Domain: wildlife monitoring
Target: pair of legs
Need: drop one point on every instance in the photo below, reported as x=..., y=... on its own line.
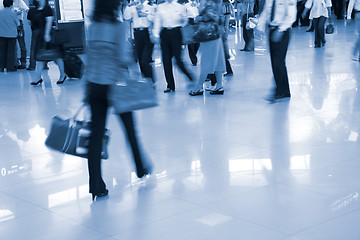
x=319, y=27
x=171, y=40
x=278, y=52
x=144, y=50
x=248, y=34
x=192, y=49
x=21, y=41
x=40, y=66
x=98, y=99
x=7, y=54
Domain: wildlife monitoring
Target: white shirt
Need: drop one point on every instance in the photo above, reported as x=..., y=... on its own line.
x=284, y=16
x=353, y=4
x=192, y=9
x=20, y=8
x=169, y=15
x=318, y=8
x=131, y=13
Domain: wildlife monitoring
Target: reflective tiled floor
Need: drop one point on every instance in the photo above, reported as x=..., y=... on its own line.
x=226, y=167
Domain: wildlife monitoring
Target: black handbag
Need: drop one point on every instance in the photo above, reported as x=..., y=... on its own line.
x=329, y=29
x=59, y=36
x=207, y=25
x=72, y=136
x=47, y=52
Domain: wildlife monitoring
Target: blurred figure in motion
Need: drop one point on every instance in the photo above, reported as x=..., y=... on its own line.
x=141, y=14
x=192, y=9
x=355, y=5
x=8, y=33
x=21, y=9
x=42, y=16
x=169, y=18
x=320, y=11
x=247, y=10
x=107, y=53
x=212, y=52
x=279, y=15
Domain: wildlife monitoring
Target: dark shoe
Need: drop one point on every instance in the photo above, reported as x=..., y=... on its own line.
x=146, y=171
x=36, y=83
x=317, y=46
x=278, y=98
x=11, y=70
x=100, y=195
x=196, y=93
x=30, y=68
x=228, y=74
x=169, y=90
x=61, y=81
x=244, y=50
x=20, y=67
x=219, y=91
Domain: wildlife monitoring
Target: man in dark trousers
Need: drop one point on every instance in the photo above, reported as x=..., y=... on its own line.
x=141, y=14
x=169, y=18
x=278, y=15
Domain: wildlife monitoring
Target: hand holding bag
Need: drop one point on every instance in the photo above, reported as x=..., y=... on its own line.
x=132, y=92
x=72, y=136
x=329, y=29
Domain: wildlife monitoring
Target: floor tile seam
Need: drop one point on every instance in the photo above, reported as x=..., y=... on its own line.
x=321, y=222
x=234, y=196
x=150, y=223
x=306, y=190
x=78, y=223
x=249, y=221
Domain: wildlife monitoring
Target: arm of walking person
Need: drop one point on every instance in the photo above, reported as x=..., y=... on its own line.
x=308, y=5
x=49, y=21
x=350, y=8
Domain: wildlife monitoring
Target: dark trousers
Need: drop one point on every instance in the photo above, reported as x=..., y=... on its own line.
x=248, y=34
x=21, y=41
x=171, y=47
x=319, y=27
x=8, y=53
x=35, y=35
x=193, y=49
x=278, y=52
x=98, y=98
x=144, y=50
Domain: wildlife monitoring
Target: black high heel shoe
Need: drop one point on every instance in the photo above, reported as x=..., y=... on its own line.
x=61, y=81
x=197, y=93
x=100, y=195
x=36, y=83
x=219, y=91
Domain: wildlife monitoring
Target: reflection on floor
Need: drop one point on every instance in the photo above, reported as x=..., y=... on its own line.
x=226, y=167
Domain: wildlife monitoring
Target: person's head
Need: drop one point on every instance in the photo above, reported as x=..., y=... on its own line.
x=8, y=3
x=40, y=3
x=106, y=11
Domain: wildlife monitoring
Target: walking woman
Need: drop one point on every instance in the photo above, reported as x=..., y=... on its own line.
x=320, y=11
x=106, y=57
x=212, y=52
x=42, y=17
